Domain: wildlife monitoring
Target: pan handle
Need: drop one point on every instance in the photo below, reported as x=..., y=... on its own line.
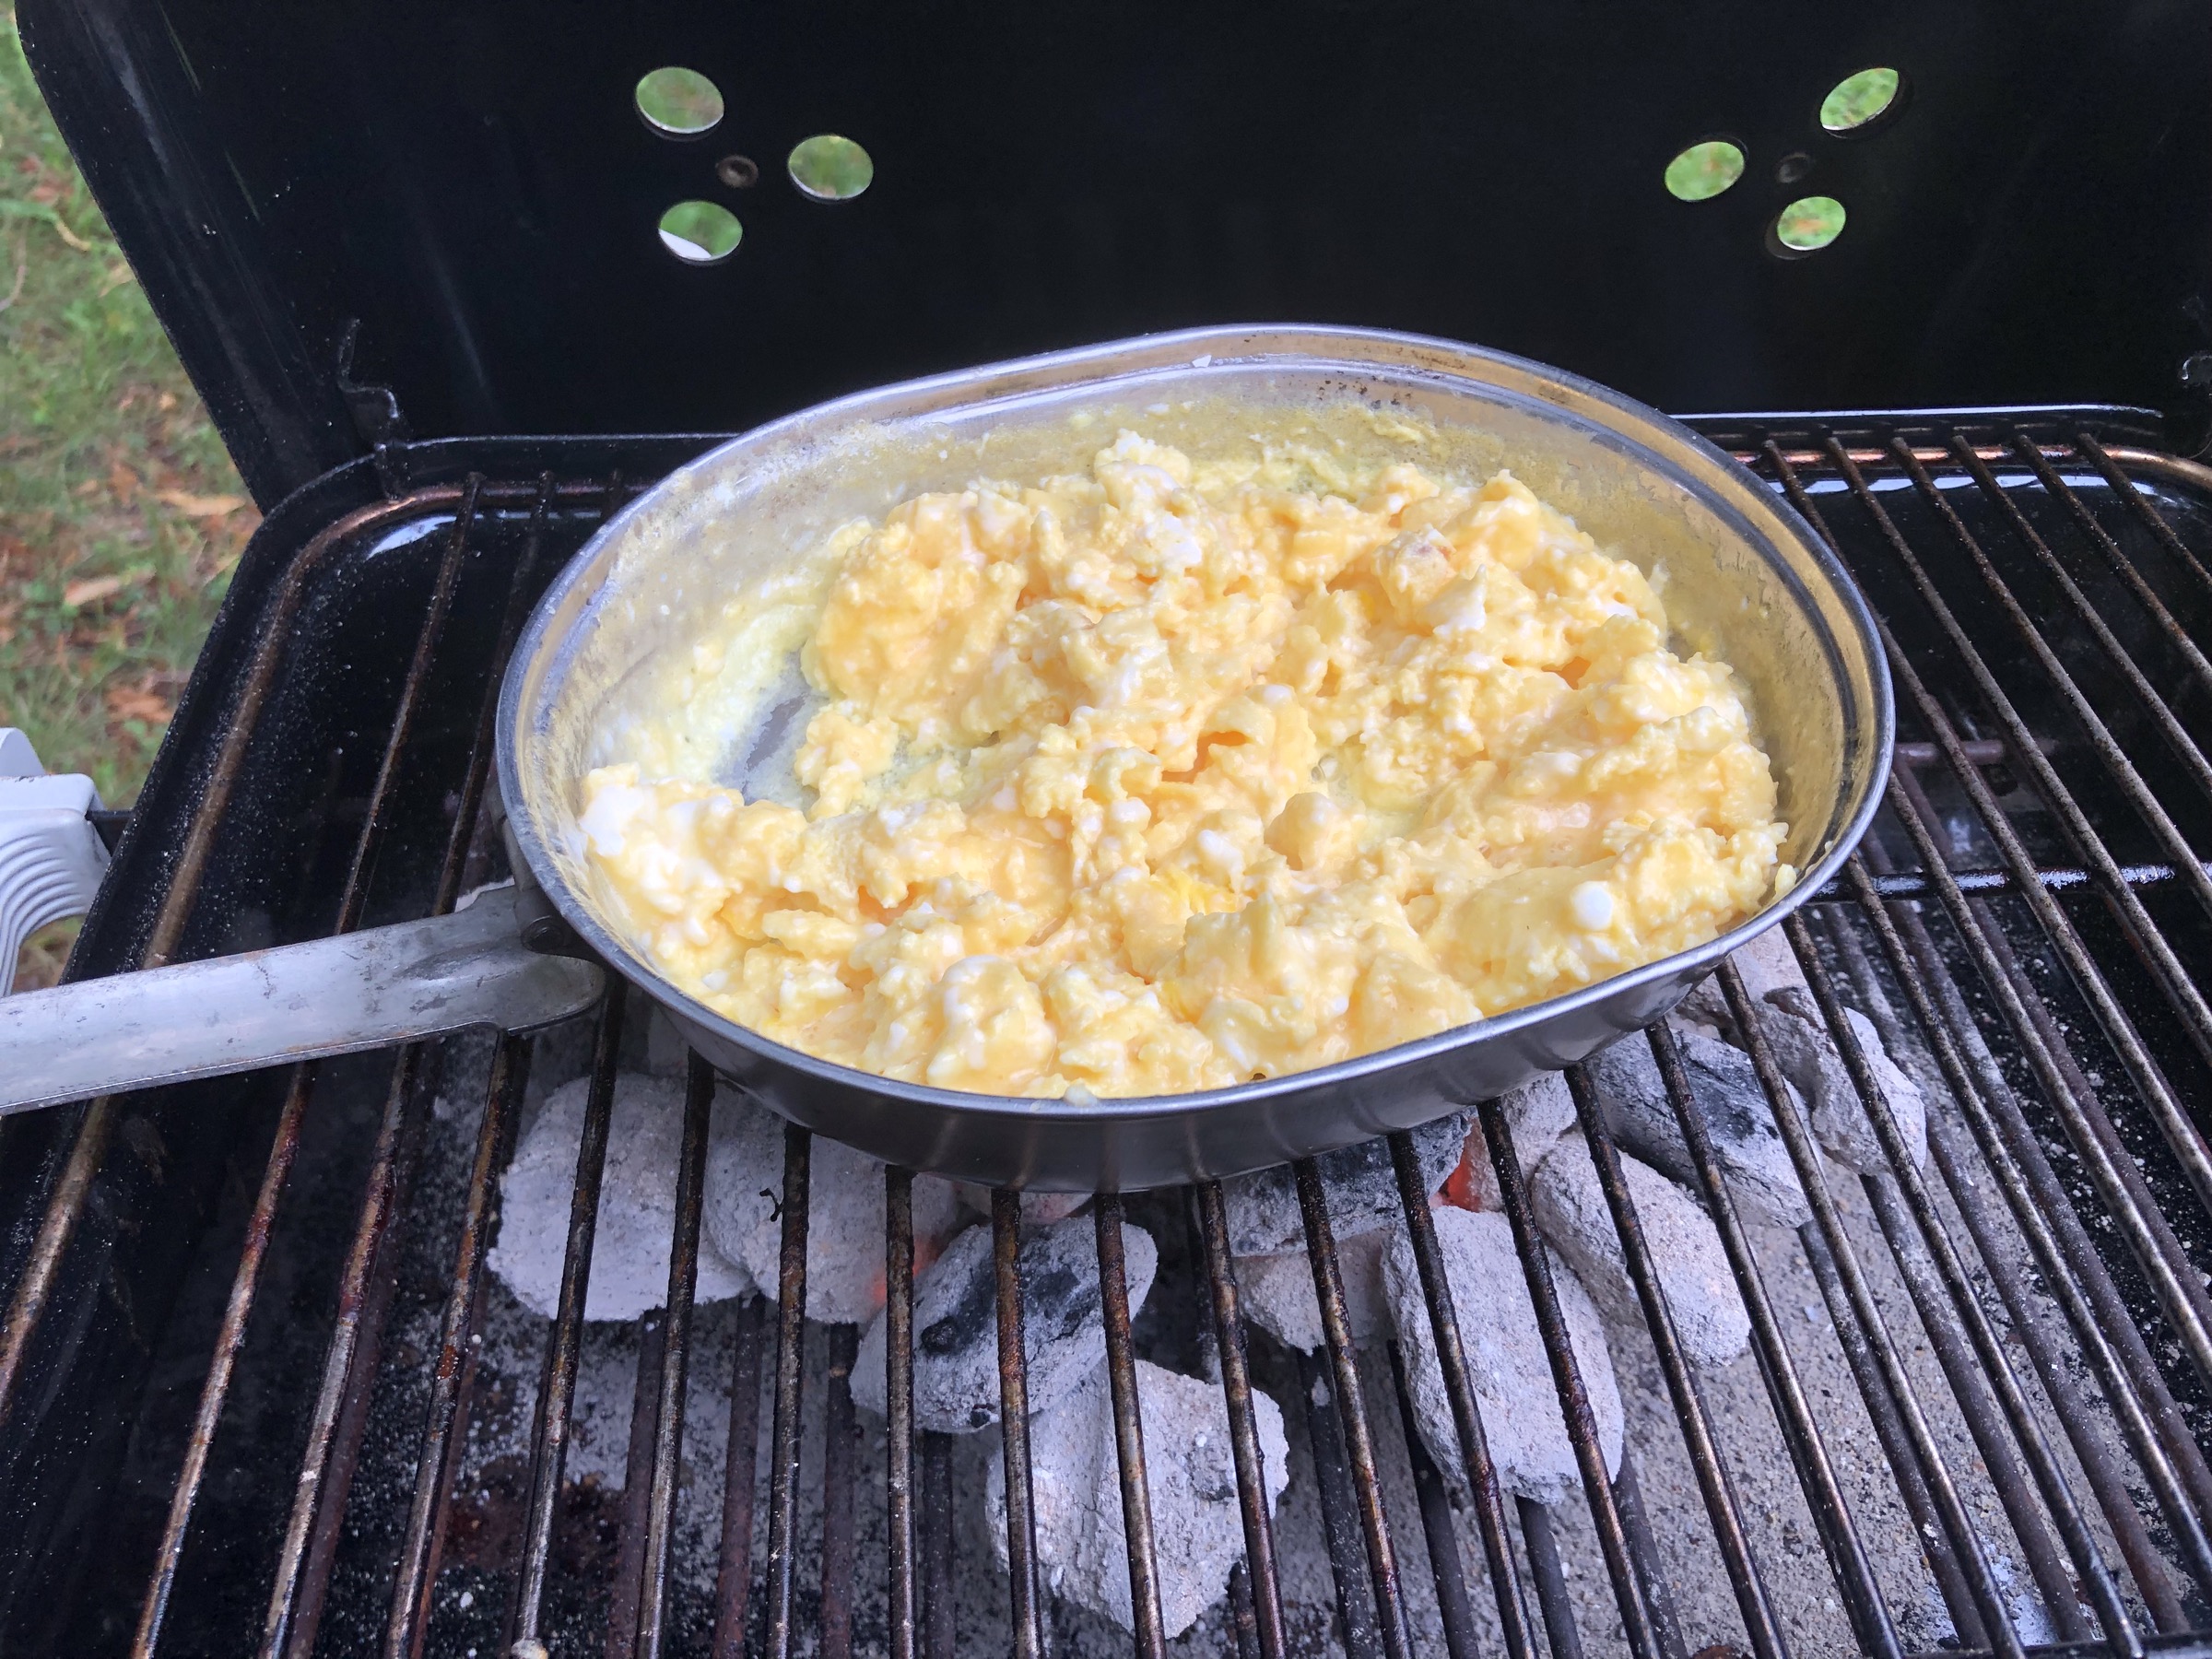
x=365, y=990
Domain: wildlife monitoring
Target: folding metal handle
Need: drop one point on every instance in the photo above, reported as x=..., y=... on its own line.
x=366, y=990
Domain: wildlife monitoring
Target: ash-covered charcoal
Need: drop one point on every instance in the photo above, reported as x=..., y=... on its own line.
x=956, y=1324
x=637, y=1204
x=1038, y=1209
x=1506, y=1361
x=1570, y=1209
x=1537, y=1115
x=1766, y=965
x=844, y=1212
x=1277, y=1292
x=1264, y=1216
x=1738, y=1120
x=1806, y=1053
x=1197, y=1528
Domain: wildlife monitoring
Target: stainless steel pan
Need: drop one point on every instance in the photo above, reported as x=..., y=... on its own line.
x=1745, y=579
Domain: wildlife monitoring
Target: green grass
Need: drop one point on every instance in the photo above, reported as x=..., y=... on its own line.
x=121, y=515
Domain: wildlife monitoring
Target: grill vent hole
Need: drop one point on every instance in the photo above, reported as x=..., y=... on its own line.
x=1704, y=171
x=1806, y=226
x=831, y=168
x=678, y=104
x=1859, y=100
x=700, y=232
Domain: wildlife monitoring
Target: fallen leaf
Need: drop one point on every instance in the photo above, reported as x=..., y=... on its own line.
x=135, y=703
x=166, y=402
x=123, y=482
x=46, y=195
x=91, y=590
x=200, y=506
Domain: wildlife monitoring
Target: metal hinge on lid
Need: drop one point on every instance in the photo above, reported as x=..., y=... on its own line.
x=376, y=416
x=51, y=856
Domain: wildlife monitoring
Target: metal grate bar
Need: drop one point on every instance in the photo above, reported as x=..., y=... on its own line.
x=2050, y=1044
x=1128, y=1429
x=1013, y=1427
x=87, y=1146
x=791, y=1339
x=1846, y=1552
x=2120, y=565
x=1643, y=1552
x=668, y=1424
x=621, y=1636
x=2064, y=1255
x=1826, y=1226
x=1938, y=1544
x=2079, y=1108
x=1243, y=1624
x=1243, y=1429
x=557, y=1389
x=2182, y=991
x=2125, y=488
x=284, y=1145
x=2055, y=878
x=2177, y=738
x=1713, y=1484
x=898, y=1395
x=2076, y=1099
x=1548, y=1574
x=1459, y=1389
x=451, y=1382
x=1978, y=1411
x=734, y=1568
x=1351, y=1412
x=1339, y=1509
x=364, y=1296
x=1574, y=1401
x=839, y=1434
x=1453, y=1609
x=939, y=1629
x=1996, y=1372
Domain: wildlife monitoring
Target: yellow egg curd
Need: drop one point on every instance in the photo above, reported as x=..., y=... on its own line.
x=1167, y=777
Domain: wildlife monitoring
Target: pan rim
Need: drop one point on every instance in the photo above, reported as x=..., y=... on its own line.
x=1664, y=440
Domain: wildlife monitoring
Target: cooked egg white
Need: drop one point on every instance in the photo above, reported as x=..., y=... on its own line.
x=1168, y=777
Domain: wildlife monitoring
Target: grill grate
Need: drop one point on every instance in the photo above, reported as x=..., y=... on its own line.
x=2023, y=1328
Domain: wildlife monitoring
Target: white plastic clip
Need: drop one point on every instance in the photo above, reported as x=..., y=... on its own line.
x=51, y=857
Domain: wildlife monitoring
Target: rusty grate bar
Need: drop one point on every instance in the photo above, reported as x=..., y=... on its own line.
x=2079, y=1108
x=898, y=1394
x=1351, y=1413
x=549, y=1435
x=1682, y=1385
x=791, y=1335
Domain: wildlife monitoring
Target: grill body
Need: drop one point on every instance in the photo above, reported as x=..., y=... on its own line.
x=257, y=1392
x=295, y=1355
x=458, y=204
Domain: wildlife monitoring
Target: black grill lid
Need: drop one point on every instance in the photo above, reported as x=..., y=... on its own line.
x=472, y=186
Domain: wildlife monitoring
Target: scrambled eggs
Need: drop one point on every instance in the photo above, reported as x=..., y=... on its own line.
x=1172, y=776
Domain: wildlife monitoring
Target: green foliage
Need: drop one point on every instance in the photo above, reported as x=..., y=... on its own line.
x=120, y=513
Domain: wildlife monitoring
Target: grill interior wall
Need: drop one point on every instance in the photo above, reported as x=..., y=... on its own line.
x=101, y=1388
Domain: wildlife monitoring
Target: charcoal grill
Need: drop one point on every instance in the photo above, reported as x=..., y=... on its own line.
x=251, y=1360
